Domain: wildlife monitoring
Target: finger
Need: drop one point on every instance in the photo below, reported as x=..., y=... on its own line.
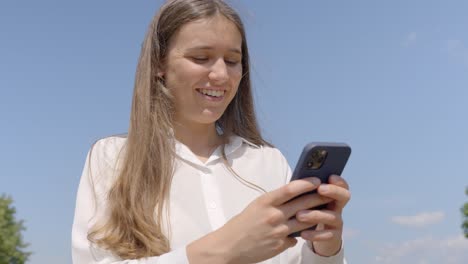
x=330, y=218
x=339, y=194
x=320, y=235
x=337, y=180
x=286, y=243
x=293, y=225
x=308, y=201
x=322, y=220
x=291, y=190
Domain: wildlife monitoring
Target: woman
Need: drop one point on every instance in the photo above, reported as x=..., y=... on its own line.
x=194, y=181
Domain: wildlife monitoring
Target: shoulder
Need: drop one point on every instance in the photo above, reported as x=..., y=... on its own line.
x=264, y=155
x=268, y=152
x=105, y=157
x=264, y=164
x=107, y=149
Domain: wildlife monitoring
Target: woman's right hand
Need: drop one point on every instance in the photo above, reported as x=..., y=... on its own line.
x=261, y=230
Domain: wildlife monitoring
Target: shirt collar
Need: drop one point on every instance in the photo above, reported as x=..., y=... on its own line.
x=235, y=142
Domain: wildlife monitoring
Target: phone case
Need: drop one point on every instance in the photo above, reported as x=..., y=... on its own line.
x=337, y=154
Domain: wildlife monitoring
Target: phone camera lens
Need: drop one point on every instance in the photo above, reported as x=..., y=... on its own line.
x=317, y=158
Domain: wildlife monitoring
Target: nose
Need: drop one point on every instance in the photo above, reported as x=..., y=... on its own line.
x=219, y=71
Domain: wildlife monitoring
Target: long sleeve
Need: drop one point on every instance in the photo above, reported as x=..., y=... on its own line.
x=307, y=255
x=188, y=201
x=90, y=207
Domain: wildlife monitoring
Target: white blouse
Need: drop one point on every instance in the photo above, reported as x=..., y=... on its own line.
x=203, y=197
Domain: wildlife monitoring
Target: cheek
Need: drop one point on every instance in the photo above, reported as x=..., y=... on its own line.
x=236, y=75
x=186, y=73
x=182, y=78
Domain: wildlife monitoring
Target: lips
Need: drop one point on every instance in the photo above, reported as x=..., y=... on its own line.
x=212, y=92
x=212, y=95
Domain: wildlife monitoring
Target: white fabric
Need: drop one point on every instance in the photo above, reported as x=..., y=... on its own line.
x=203, y=197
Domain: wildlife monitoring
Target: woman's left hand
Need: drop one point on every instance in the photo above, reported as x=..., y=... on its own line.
x=326, y=239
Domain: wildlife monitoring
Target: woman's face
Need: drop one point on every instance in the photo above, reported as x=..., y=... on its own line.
x=203, y=69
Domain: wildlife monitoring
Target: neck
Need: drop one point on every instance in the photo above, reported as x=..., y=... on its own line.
x=201, y=139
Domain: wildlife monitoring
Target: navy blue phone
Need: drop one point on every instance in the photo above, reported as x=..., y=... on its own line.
x=321, y=159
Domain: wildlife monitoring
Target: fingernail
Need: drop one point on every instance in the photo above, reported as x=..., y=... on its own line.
x=324, y=188
x=316, y=181
x=300, y=215
x=334, y=177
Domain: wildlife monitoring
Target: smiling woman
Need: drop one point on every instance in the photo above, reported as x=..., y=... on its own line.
x=194, y=181
x=203, y=70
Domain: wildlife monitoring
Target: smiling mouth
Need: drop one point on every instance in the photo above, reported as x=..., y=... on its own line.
x=212, y=93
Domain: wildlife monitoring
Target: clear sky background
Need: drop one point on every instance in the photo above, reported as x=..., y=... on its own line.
x=390, y=78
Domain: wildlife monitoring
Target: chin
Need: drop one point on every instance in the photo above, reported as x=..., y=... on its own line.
x=209, y=118
x=206, y=120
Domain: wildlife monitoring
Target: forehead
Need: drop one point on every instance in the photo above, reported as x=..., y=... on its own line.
x=214, y=32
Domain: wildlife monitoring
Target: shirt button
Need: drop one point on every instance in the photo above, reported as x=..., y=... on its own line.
x=212, y=205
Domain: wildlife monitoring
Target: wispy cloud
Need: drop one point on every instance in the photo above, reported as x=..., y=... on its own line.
x=419, y=220
x=427, y=250
x=410, y=39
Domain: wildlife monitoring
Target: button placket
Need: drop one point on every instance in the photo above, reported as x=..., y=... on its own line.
x=212, y=197
x=212, y=205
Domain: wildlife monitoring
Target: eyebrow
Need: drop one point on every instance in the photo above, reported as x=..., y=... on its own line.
x=210, y=48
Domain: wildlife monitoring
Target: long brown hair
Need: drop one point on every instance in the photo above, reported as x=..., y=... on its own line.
x=136, y=199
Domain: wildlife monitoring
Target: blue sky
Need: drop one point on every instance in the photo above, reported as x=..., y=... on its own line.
x=390, y=78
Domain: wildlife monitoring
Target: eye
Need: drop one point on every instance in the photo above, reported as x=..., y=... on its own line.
x=199, y=59
x=231, y=62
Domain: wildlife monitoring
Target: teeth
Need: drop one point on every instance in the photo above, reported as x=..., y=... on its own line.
x=215, y=93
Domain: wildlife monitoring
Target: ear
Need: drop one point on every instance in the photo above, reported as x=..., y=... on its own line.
x=161, y=69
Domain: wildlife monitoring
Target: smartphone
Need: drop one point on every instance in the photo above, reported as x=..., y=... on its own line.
x=321, y=159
